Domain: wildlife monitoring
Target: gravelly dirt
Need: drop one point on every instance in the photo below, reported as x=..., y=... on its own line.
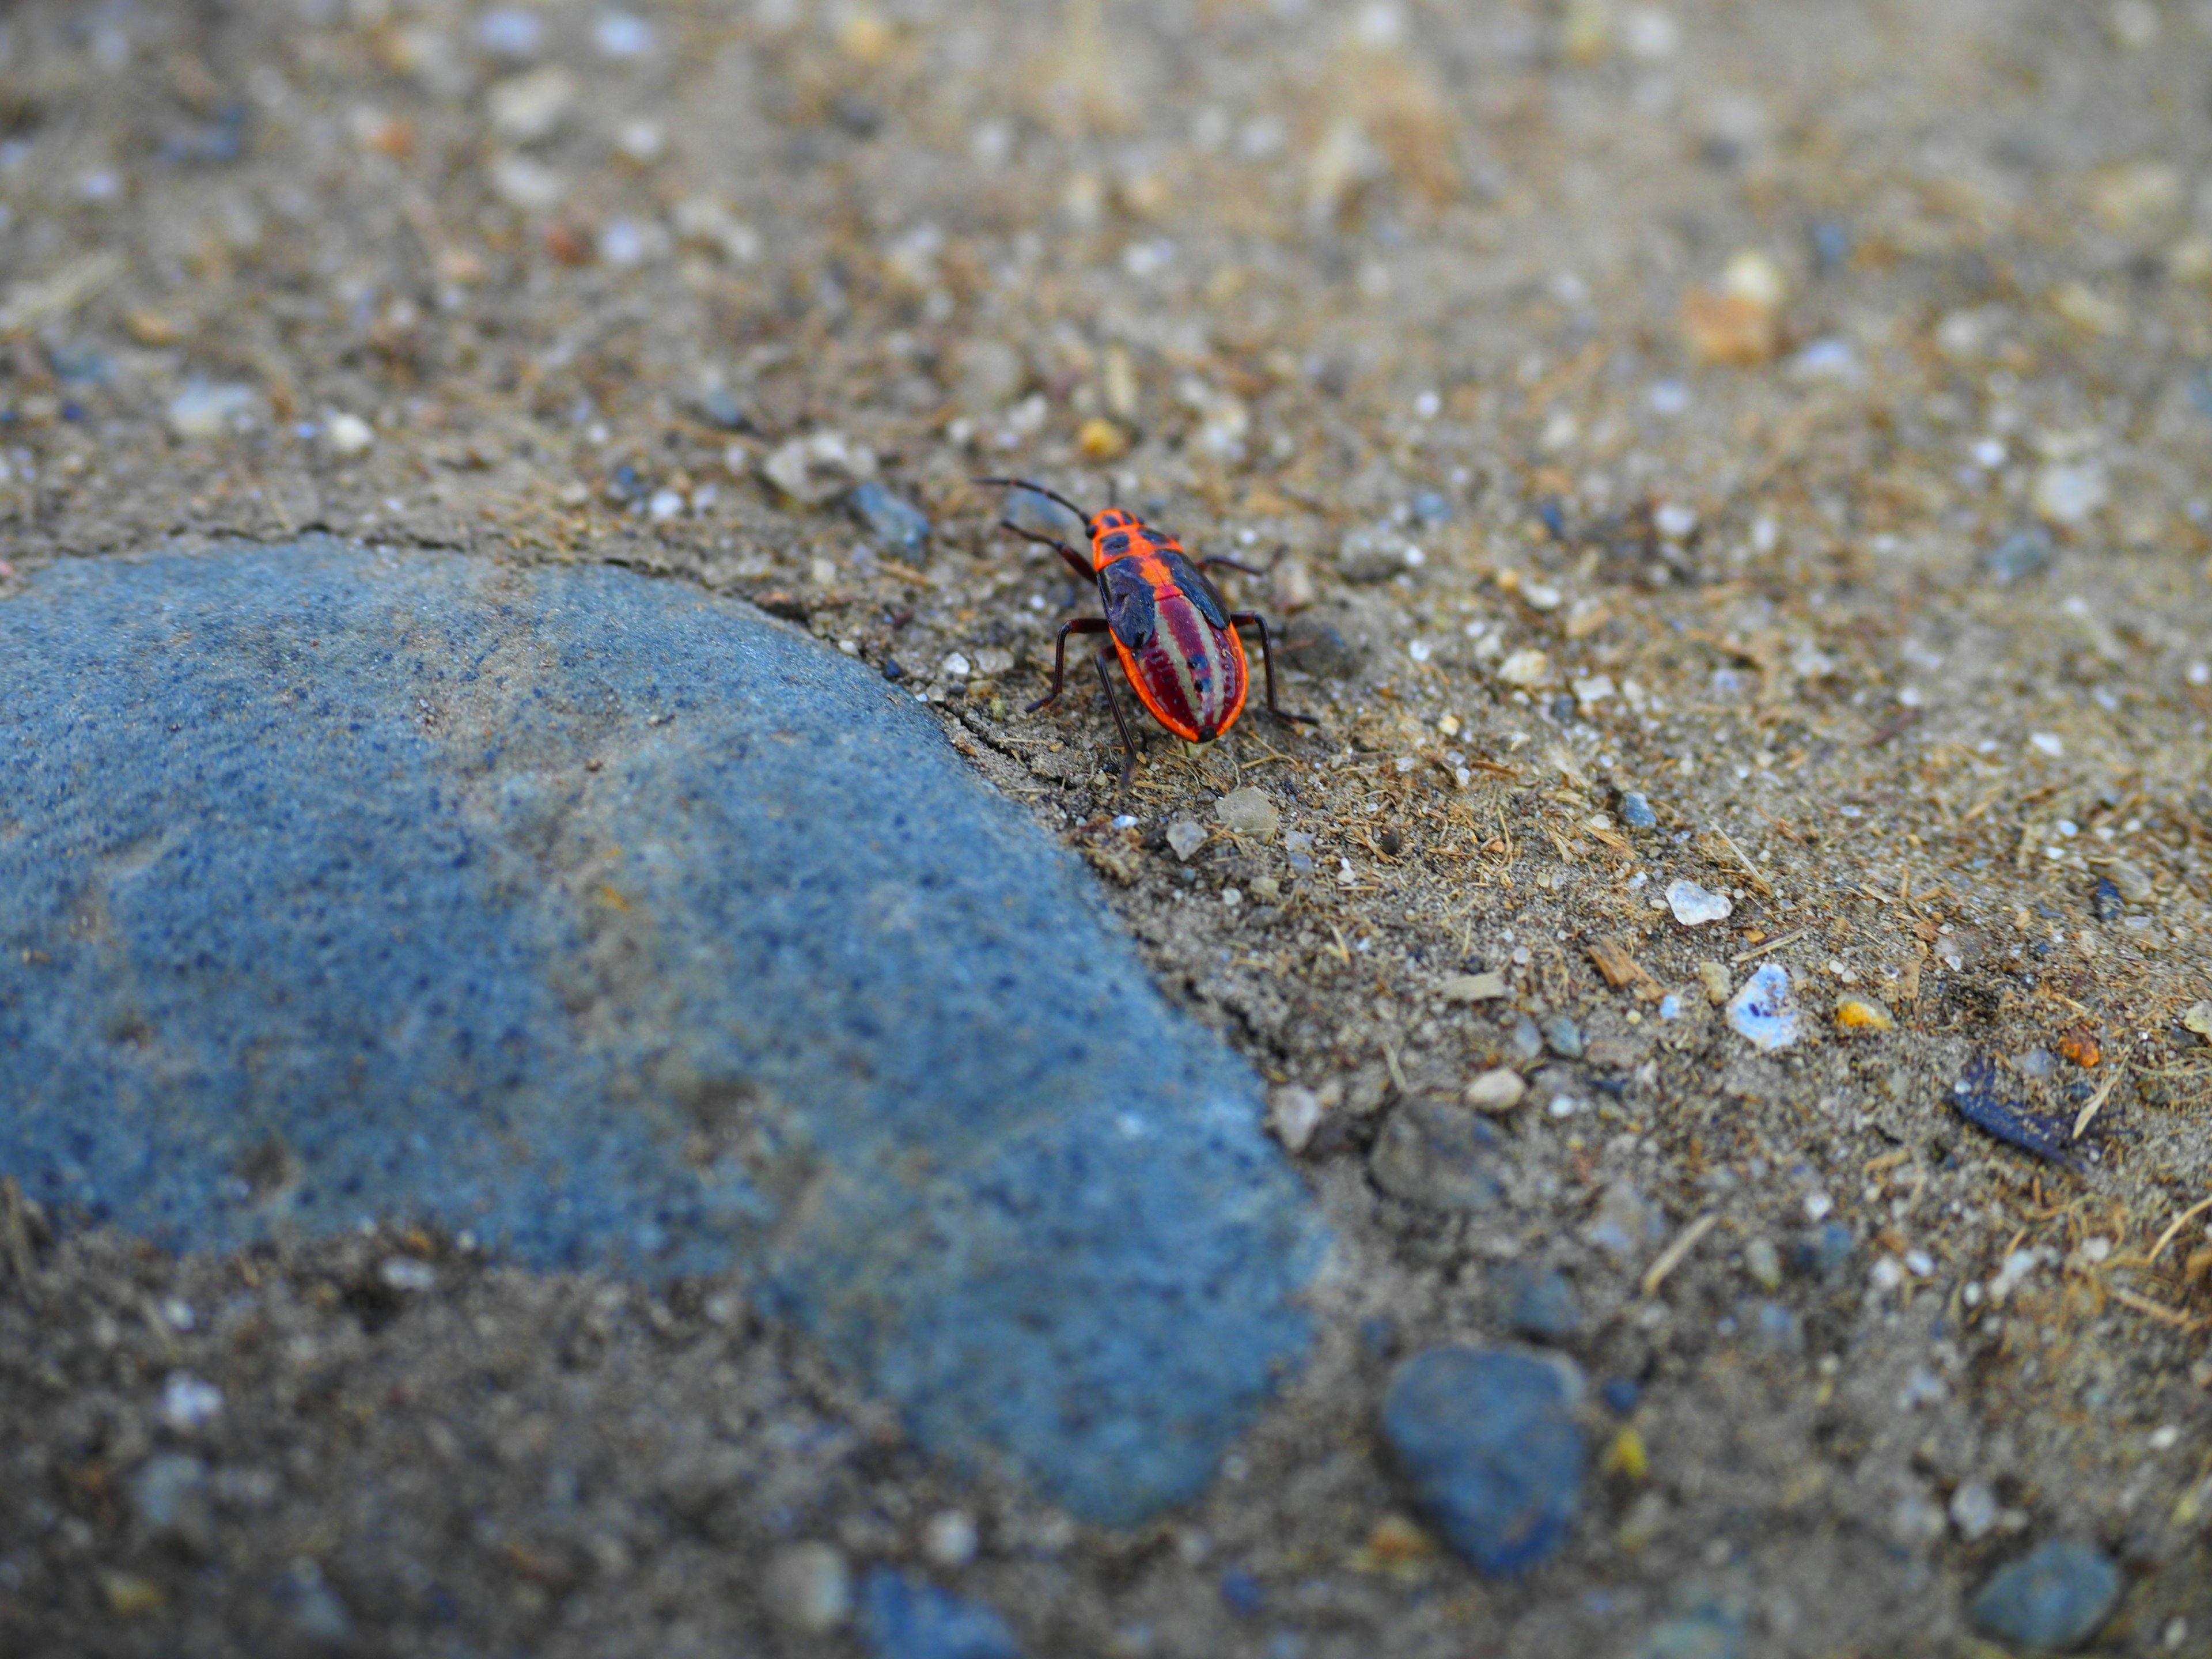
x=1829, y=381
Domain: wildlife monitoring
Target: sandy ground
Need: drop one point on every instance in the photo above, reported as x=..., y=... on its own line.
x=1795, y=415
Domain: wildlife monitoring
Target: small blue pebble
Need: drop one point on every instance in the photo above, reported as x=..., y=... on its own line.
x=1487, y=1439
x=2054, y=1598
x=1242, y=1591
x=1636, y=811
x=1563, y=1037
x=1621, y=1394
x=1670, y=1007
x=1831, y=245
x=1554, y=517
x=900, y=526
x=906, y=1617
x=1431, y=508
x=1541, y=1304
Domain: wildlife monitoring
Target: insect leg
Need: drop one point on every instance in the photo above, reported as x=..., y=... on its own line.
x=1267, y=656
x=1076, y=562
x=1075, y=625
x=1129, y=767
x=1234, y=564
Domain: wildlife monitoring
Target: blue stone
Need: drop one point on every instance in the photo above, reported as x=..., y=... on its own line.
x=1431, y=508
x=1540, y=1304
x=907, y=1617
x=1636, y=811
x=1621, y=1394
x=635, y=932
x=2023, y=553
x=1243, y=1592
x=2054, y=1598
x=1563, y=1038
x=720, y=405
x=1488, y=1441
x=898, y=525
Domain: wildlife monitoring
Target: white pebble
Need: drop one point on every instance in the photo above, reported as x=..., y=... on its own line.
x=348, y=435
x=949, y=1538
x=957, y=666
x=1186, y=836
x=810, y=1588
x=1693, y=907
x=187, y=1403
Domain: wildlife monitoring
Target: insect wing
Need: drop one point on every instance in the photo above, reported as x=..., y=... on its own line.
x=1195, y=584
x=1130, y=612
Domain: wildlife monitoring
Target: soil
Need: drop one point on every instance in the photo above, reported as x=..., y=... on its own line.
x=1820, y=390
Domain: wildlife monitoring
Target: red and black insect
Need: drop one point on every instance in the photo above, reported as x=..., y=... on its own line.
x=1177, y=641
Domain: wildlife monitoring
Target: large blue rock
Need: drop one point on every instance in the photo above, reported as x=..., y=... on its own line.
x=1487, y=1439
x=631, y=931
x=2053, y=1598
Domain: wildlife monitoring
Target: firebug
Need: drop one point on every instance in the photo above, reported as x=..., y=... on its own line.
x=1177, y=641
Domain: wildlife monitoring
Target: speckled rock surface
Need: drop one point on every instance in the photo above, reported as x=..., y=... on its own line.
x=629, y=931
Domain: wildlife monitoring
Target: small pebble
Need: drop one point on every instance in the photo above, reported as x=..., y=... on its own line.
x=348, y=435
x=313, y=1607
x=1763, y=1012
x=1436, y=1156
x=1709, y=1630
x=2132, y=880
x=809, y=1588
x=1526, y=1041
x=1293, y=1114
x=1528, y=667
x=1243, y=1593
x=1693, y=907
x=1974, y=1510
x=1473, y=987
x=2069, y=494
x=2054, y=1598
x=1863, y=1014
x=1488, y=1441
x=1764, y=1263
x=719, y=405
x=187, y=1403
x=1185, y=836
x=2022, y=554
x=169, y=1496
x=1563, y=1038
x=1500, y=1089
x=1636, y=811
x=2107, y=901
x=202, y=411
x=1248, y=811
x=1825, y=1252
x=1620, y=1394
x=949, y=1539
x=902, y=527
x=1714, y=979
x=907, y=1618
x=1540, y=1304
x=620, y=34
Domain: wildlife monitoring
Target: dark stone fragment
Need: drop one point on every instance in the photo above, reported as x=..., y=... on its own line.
x=902, y=527
x=2048, y=1136
x=1621, y=1394
x=2054, y=1598
x=1824, y=1252
x=1487, y=1440
x=2107, y=901
x=904, y=1617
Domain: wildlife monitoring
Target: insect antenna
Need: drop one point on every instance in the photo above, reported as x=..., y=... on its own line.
x=1049, y=495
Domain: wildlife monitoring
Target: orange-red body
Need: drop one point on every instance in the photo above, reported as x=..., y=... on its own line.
x=1170, y=626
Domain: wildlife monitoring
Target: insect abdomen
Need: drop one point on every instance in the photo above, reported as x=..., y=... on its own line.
x=1190, y=674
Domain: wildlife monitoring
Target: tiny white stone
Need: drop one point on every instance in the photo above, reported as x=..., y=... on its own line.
x=1294, y=1112
x=810, y=1588
x=665, y=504
x=1525, y=668
x=347, y=435
x=2047, y=743
x=1693, y=907
x=1500, y=1089
x=187, y=1403
x=957, y=666
x=949, y=1538
x=1673, y=520
x=1185, y=836
x=1232, y=896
